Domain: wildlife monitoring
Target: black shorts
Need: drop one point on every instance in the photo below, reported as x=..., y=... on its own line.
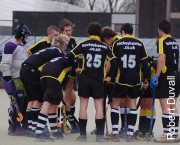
x=108, y=91
x=146, y=93
x=121, y=91
x=90, y=87
x=165, y=88
x=31, y=80
x=52, y=90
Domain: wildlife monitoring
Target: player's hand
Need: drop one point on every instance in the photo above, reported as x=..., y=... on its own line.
x=68, y=107
x=145, y=84
x=78, y=70
x=154, y=81
x=107, y=80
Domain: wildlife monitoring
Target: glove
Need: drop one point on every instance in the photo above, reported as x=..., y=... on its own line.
x=8, y=86
x=154, y=81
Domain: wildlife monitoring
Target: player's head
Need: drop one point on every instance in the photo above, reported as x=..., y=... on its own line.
x=52, y=31
x=22, y=32
x=66, y=27
x=126, y=29
x=61, y=41
x=95, y=28
x=107, y=35
x=164, y=27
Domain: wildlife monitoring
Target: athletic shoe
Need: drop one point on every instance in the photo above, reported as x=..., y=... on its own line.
x=151, y=137
x=100, y=138
x=30, y=133
x=129, y=138
x=19, y=131
x=81, y=138
x=114, y=137
x=139, y=136
x=164, y=139
x=57, y=135
x=75, y=128
x=43, y=138
x=46, y=129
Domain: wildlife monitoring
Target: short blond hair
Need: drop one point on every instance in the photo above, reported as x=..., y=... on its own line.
x=52, y=28
x=60, y=40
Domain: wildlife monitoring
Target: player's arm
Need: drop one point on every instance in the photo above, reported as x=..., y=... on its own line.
x=73, y=55
x=113, y=70
x=34, y=48
x=144, y=62
x=160, y=63
x=28, y=52
x=108, y=67
x=6, y=64
x=145, y=69
x=161, y=57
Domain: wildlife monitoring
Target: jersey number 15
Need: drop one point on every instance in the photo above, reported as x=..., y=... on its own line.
x=128, y=62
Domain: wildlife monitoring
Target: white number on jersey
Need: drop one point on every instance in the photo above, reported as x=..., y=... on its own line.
x=55, y=59
x=40, y=51
x=128, y=62
x=95, y=62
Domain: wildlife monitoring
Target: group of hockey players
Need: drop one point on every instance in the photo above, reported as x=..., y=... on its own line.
x=114, y=70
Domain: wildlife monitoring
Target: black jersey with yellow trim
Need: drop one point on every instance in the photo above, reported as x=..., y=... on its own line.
x=116, y=37
x=71, y=44
x=42, y=44
x=94, y=54
x=169, y=47
x=40, y=58
x=152, y=66
x=129, y=52
x=58, y=69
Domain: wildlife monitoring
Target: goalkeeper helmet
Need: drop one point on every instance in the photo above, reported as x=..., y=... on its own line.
x=22, y=32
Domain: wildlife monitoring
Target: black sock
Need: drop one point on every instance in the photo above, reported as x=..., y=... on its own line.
x=52, y=122
x=42, y=120
x=148, y=121
x=132, y=121
x=115, y=120
x=100, y=123
x=70, y=118
x=142, y=121
x=122, y=111
x=34, y=115
x=59, y=115
x=73, y=108
x=165, y=122
x=176, y=124
x=28, y=113
x=82, y=126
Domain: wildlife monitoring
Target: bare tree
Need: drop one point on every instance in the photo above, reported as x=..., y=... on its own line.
x=73, y=2
x=128, y=6
x=113, y=5
x=108, y=5
x=91, y=4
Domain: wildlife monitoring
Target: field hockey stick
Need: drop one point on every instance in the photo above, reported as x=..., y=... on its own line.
x=76, y=121
x=19, y=114
x=65, y=129
x=125, y=116
x=141, y=96
x=10, y=89
x=58, y=112
x=107, y=130
x=152, y=114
